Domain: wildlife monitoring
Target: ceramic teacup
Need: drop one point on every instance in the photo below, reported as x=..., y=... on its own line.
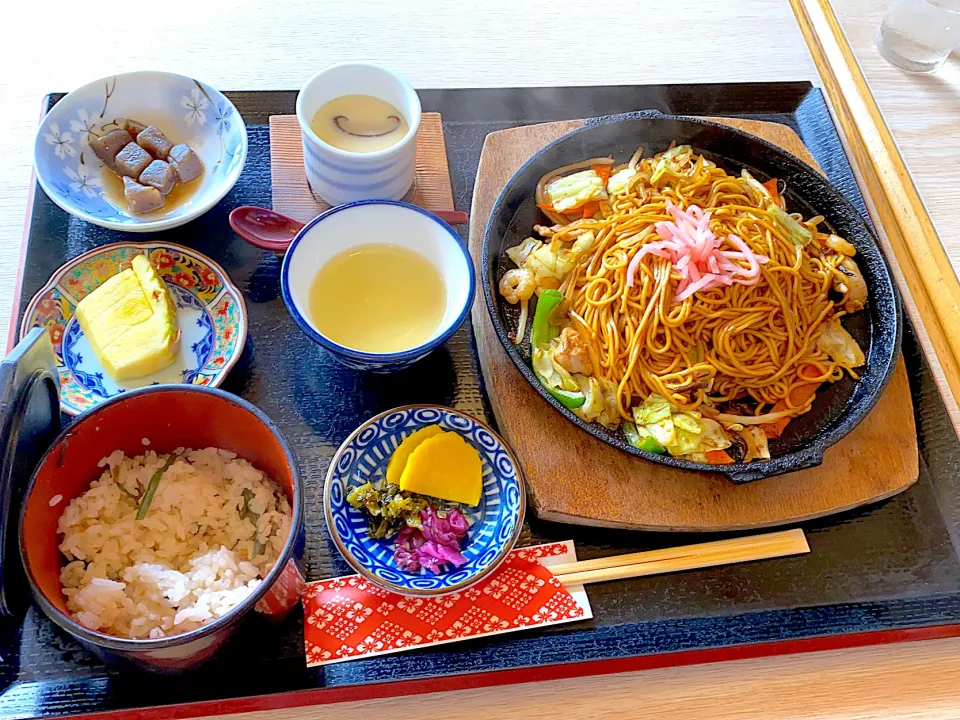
x=339, y=176
x=354, y=224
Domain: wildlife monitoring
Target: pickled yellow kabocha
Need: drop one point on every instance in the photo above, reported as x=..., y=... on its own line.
x=437, y=464
x=398, y=461
x=131, y=322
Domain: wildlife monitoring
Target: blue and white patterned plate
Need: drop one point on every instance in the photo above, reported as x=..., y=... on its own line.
x=210, y=310
x=494, y=525
x=186, y=110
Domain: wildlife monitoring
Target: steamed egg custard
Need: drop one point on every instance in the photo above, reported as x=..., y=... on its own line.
x=359, y=123
x=378, y=298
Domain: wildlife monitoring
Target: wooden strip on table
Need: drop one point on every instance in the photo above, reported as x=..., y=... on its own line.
x=678, y=559
x=895, y=204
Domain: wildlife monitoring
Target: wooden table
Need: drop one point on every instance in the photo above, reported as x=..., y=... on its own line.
x=250, y=44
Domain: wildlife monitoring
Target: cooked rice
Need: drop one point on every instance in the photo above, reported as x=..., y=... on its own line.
x=190, y=560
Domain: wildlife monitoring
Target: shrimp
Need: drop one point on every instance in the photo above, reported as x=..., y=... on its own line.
x=518, y=284
x=572, y=353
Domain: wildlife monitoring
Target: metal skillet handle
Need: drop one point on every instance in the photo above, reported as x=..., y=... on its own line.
x=29, y=421
x=811, y=457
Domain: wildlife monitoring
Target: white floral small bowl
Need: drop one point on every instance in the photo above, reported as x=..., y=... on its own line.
x=185, y=109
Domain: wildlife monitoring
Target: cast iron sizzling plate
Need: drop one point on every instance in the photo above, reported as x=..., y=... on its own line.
x=838, y=408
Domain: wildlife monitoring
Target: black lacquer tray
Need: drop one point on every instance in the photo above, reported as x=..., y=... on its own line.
x=883, y=573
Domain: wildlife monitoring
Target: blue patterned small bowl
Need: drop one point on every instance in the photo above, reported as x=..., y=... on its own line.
x=185, y=109
x=355, y=224
x=495, y=524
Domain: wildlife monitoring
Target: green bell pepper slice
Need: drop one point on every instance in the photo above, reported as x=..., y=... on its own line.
x=644, y=442
x=541, y=333
x=568, y=399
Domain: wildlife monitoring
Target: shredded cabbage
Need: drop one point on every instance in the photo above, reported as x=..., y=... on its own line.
x=687, y=423
x=799, y=234
x=520, y=253
x=601, y=401
x=583, y=243
x=756, y=186
x=680, y=432
x=592, y=408
x=618, y=181
x=712, y=436
x=654, y=409
x=665, y=433
x=553, y=374
x=836, y=342
x=546, y=263
x=570, y=192
x=757, y=446
x=666, y=161
x=685, y=443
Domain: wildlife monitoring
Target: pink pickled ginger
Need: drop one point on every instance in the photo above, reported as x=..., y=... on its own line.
x=694, y=249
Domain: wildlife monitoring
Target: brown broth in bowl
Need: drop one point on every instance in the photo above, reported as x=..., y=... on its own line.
x=112, y=192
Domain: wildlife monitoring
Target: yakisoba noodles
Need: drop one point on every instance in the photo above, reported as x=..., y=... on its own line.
x=683, y=304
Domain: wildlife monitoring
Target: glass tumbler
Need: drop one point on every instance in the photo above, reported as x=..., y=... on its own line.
x=918, y=35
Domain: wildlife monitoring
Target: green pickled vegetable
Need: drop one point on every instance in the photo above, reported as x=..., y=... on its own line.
x=387, y=509
x=152, y=487
x=247, y=512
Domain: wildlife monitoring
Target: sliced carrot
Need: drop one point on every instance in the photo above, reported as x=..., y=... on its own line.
x=771, y=186
x=546, y=207
x=775, y=430
x=603, y=171
x=798, y=396
x=591, y=208
x=718, y=457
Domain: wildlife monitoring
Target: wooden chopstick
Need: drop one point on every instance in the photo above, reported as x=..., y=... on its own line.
x=687, y=557
x=894, y=202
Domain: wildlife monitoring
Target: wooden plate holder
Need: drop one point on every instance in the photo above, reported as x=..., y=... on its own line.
x=576, y=478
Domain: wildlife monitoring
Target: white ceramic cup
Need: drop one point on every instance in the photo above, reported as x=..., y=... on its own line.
x=356, y=224
x=339, y=176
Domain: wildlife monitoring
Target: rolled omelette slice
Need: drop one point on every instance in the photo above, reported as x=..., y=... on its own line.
x=131, y=322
